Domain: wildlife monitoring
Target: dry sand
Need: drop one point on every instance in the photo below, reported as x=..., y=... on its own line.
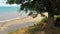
x=4, y=25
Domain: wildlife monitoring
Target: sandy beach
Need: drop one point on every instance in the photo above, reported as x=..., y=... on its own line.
x=26, y=19
x=4, y=25
x=10, y=25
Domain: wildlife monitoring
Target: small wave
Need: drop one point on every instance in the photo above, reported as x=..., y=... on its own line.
x=13, y=19
x=9, y=19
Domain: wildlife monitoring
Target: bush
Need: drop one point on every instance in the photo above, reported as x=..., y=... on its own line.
x=37, y=27
x=57, y=22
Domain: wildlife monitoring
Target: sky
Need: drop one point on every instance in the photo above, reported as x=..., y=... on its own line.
x=3, y=3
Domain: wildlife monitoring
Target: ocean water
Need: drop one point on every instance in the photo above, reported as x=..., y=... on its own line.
x=8, y=9
x=8, y=13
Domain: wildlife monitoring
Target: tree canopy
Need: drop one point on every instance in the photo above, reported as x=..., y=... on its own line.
x=39, y=6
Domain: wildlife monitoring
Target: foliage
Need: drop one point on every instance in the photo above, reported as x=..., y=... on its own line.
x=30, y=29
x=57, y=22
x=33, y=29
x=40, y=6
x=37, y=27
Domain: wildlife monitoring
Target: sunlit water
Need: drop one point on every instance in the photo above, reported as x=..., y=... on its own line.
x=7, y=13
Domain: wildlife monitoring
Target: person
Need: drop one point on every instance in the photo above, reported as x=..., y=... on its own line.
x=44, y=24
x=43, y=27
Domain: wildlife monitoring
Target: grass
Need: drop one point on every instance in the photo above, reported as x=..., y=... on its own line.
x=29, y=30
x=58, y=30
x=33, y=29
x=18, y=31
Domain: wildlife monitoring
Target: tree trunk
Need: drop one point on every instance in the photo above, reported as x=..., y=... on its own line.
x=49, y=28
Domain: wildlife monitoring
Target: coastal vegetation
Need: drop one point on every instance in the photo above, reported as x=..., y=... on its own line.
x=41, y=6
x=35, y=29
x=30, y=29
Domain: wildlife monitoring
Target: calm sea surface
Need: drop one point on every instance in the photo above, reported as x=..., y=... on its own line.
x=8, y=13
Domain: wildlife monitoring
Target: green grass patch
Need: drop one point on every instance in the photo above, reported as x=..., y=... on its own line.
x=33, y=29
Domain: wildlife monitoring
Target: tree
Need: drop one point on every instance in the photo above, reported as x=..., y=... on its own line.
x=41, y=6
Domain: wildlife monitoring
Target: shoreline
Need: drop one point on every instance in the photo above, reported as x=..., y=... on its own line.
x=6, y=24
x=18, y=18
x=9, y=19
x=19, y=23
x=12, y=19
